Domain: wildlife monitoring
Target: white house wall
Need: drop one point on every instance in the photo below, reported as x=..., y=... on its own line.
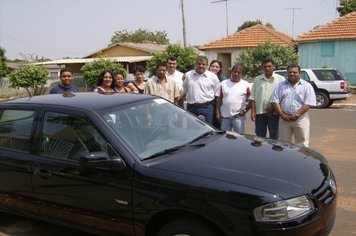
x=213, y=54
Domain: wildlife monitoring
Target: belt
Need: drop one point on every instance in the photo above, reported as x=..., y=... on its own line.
x=236, y=116
x=200, y=104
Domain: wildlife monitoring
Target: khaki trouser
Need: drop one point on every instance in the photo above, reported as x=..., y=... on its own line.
x=299, y=129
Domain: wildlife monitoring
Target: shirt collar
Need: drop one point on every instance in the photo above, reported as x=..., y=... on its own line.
x=298, y=83
x=157, y=80
x=204, y=74
x=169, y=74
x=265, y=78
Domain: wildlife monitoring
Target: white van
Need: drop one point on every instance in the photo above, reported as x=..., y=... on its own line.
x=328, y=83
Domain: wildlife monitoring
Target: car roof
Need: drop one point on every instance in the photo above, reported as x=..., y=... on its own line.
x=309, y=69
x=88, y=100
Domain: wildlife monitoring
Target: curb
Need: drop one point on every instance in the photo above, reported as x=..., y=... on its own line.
x=344, y=105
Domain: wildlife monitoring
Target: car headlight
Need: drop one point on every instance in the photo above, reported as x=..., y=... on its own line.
x=284, y=210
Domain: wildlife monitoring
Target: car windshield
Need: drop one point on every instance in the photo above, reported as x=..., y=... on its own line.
x=155, y=126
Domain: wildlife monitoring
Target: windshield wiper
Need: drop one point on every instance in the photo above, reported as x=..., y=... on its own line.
x=165, y=152
x=174, y=149
x=207, y=134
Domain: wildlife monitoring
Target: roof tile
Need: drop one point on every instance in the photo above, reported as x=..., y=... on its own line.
x=341, y=28
x=250, y=37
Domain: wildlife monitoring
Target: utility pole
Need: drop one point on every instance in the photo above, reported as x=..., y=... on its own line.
x=226, y=14
x=293, y=9
x=183, y=24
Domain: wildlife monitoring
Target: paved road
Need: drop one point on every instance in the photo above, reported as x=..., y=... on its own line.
x=333, y=133
x=335, y=137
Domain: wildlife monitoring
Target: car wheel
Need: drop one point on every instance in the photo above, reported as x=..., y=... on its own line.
x=330, y=103
x=322, y=99
x=183, y=227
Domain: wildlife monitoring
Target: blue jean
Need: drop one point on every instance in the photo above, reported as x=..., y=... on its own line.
x=206, y=111
x=263, y=121
x=236, y=123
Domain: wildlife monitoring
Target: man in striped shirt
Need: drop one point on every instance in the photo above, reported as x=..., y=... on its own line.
x=292, y=99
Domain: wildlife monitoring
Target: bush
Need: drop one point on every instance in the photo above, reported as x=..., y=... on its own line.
x=185, y=57
x=91, y=71
x=27, y=77
x=251, y=58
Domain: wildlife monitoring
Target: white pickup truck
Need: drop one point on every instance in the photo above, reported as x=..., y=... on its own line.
x=328, y=84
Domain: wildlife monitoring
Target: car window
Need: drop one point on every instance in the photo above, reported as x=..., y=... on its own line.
x=327, y=75
x=304, y=75
x=282, y=73
x=15, y=129
x=152, y=126
x=67, y=136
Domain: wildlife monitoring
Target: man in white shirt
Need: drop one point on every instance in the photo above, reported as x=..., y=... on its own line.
x=199, y=87
x=175, y=75
x=232, y=101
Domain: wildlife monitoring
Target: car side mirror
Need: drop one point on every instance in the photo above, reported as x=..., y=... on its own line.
x=100, y=161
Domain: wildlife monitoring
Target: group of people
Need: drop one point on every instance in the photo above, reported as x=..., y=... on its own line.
x=277, y=104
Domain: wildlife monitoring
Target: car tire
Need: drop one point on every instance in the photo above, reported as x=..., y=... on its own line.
x=322, y=99
x=330, y=103
x=187, y=228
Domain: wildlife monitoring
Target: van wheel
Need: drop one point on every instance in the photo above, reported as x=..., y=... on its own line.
x=187, y=228
x=322, y=99
x=330, y=103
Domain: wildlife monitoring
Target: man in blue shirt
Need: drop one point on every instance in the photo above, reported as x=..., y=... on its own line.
x=292, y=99
x=65, y=83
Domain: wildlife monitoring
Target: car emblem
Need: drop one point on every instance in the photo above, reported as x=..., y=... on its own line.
x=332, y=186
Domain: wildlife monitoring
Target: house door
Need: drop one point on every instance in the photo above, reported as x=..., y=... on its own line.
x=225, y=59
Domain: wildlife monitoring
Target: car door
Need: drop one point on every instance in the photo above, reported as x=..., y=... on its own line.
x=16, y=128
x=98, y=197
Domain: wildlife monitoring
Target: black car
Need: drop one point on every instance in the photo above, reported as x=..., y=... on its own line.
x=135, y=164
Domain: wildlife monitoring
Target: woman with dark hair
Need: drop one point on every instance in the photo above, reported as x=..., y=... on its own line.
x=105, y=82
x=119, y=83
x=138, y=85
x=216, y=67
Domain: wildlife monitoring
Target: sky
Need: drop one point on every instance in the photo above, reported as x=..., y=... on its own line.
x=57, y=29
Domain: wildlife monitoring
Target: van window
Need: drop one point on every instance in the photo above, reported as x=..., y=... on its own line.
x=304, y=75
x=327, y=75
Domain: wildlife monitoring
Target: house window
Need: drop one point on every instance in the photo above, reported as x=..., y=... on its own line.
x=327, y=49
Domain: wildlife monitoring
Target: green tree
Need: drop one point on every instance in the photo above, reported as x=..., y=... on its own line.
x=249, y=23
x=185, y=57
x=346, y=7
x=251, y=58
x=3, y=68
x=27, y=77
x=140, y=36
x=91, y=71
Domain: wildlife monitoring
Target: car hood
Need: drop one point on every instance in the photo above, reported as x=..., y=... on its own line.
x=280, y=168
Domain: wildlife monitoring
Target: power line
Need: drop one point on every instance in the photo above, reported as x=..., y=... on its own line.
x=34, y=46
